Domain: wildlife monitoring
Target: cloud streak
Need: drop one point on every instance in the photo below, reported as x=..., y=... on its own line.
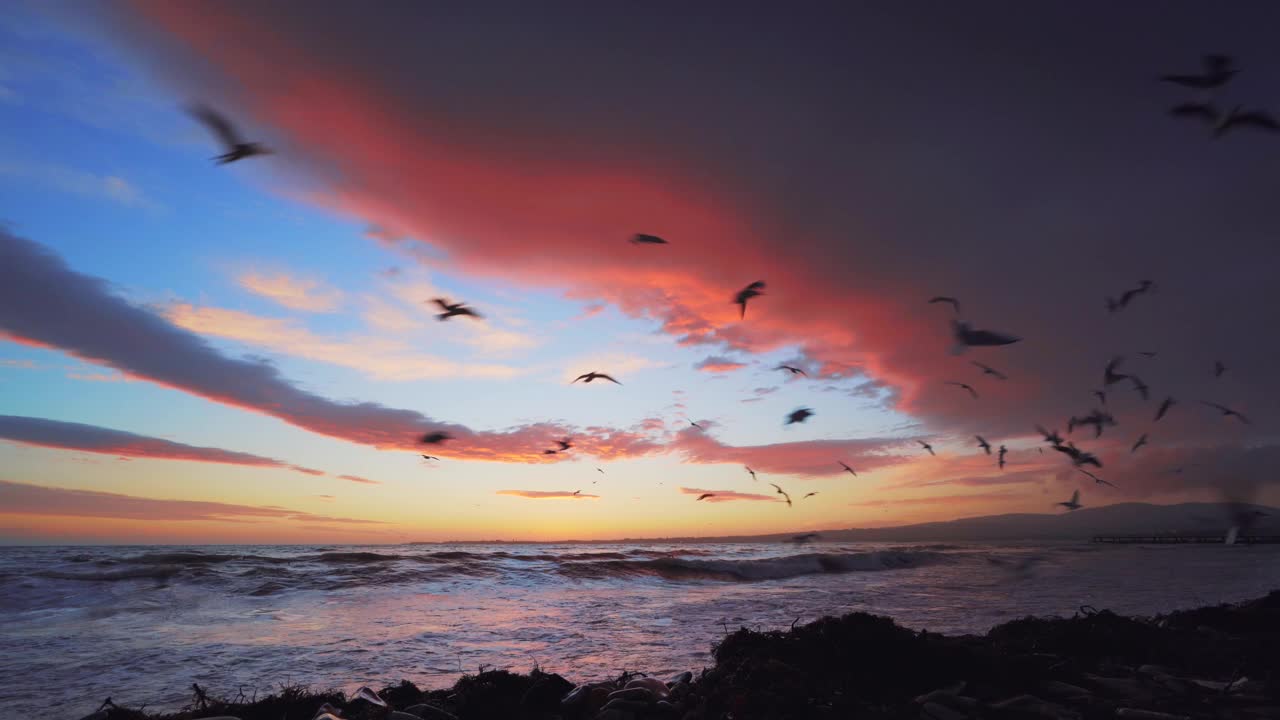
x=27, y=499
x=729, y=495
x=548, y=495
x=358, y=479
x=292, y=292
x=42, y=432
x=718, y=364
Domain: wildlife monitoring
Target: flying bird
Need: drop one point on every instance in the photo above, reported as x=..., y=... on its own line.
x=751, y=472
x=799, y=416
x=1141, y=441
x=576, y=493
x=966, y=337
x=1096, y=479
x=815, y=492
x=1003, y=450
x=965, y=386
x=1141, y=387
x=1101, y=395
x=1109, y=375
x=847, y=468
x=453, y=309
x=565, y=444
x=1078, y=457
x=1164, y=407
x=1099, y=419
x=792, y=370
x=1227, y=412
x=430, y=457
x=1114, y=305
x=783, y=493
x=955, y=304
x=593, y=375
x=642, y=239
x=1147, y=354
x=1218, y=70
x=237, y=148
x=1073, y=503
x=600, y=471
x=1052, y=438
x=704, y=496
x=1224, y=121
x=986, y=446
x=753, y=290
x=1218, y=368
x=436, y=438
x=988, y=370
x=695, y=425
x=927, y=446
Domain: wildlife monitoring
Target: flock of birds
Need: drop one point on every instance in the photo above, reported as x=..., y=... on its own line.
x=1217, y=72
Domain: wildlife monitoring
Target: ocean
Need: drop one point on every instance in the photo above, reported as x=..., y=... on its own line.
x=140, y=624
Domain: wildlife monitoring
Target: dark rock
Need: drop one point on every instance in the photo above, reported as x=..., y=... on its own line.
x=935, y=711
x=100, y=715
x=639, y=694
x=678, y=678
x=546, y=693
x=429, y=712
x=625, y=705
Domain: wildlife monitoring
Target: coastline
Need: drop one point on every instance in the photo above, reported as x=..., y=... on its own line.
x=1207, y=663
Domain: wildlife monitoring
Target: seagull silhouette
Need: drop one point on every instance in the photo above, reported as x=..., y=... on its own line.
x=642, y=239
x=600, y=471
x=751, y=472
x=847, y=468
x=927, y=446
x=1114, y=305
x=955, y=304
x=430, y=457
x=1078, y=457
x=1003, y=450
x=1218, y=70
x=755, y=289
x=593, y=375
x=987, y=370
x=783, y=493
x=792, y=370
x=1218, y=368
x=436, y=438
x=1073, y=503
x=1141, y=387
x=1101, y=395
x=1097, y=479
x=453, y=309
x=1109, y=375
x=236, y=147
x=1164, y=407
x=695, y=424
x=1227, y=412
x=799, y=416
x=704, y=496
x=565, y=444
x=1099, y=419
x=966, y=386
x=1141, y=441
x=1052, y=438
x=986, y=446
x=1222, y=122
x=815, y=492
x=966, y=337
x=576, y=493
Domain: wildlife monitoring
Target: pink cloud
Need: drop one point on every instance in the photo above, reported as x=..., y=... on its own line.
x=294, y=293
x=718, y=364
x=27, y=499
x=729, y=495
x=42, y=432
x=549, y=494
x=358, y=479
x=812, y=457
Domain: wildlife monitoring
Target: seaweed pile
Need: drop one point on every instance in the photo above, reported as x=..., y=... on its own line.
x=1209, y=663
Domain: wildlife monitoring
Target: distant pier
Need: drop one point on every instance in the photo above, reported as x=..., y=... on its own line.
x=1185, y=539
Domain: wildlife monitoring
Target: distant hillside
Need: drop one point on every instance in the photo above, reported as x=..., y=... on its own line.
x=1120, y=519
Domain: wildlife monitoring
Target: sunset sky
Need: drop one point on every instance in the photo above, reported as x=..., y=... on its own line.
x=246, y=353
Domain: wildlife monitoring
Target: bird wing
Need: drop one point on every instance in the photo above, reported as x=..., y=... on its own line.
x=602, y=376
x=990, y=337
x=1256, y=119
x=217, y=124
x=1075, y=497
x=444, y=304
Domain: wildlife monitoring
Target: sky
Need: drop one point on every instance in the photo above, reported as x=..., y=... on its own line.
x=203, y=353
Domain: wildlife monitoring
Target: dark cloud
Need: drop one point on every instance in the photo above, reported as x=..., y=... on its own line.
x=105, y=441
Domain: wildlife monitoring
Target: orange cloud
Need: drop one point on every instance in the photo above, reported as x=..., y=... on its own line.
x=294, y=293
x=42, y=432
x=549, y=494
x=358, y=479
x=729, y=495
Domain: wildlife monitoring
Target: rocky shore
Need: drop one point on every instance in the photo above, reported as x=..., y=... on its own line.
x=1209, y=663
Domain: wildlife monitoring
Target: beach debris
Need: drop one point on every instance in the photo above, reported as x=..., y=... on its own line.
x=369, y=696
